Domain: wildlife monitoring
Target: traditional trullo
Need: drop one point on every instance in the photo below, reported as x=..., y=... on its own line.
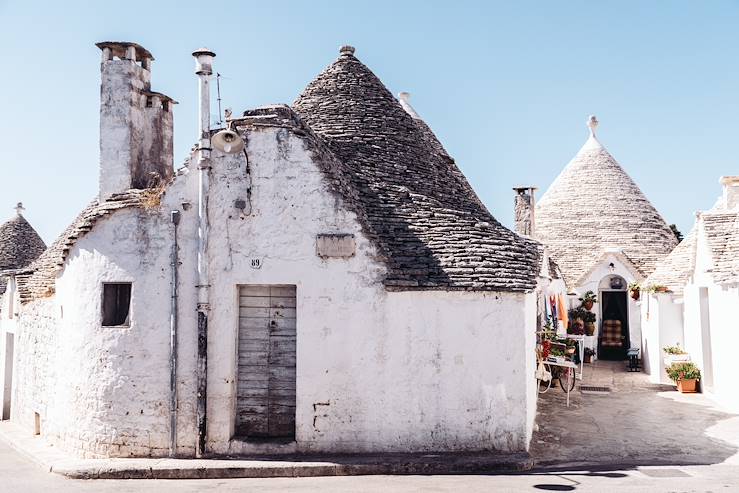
x=333, y=286
x=604, y=234
x=20, y=245
x=698, y=308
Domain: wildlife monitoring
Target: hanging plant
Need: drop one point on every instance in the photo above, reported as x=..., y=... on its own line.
x=588, y=300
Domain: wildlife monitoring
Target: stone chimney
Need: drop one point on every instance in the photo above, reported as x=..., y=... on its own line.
x=731, y=191
x=524, y=210
x=136, y=127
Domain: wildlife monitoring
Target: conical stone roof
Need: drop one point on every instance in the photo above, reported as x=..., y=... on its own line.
x=417, y=206
x=20, y=244
x=594, y=206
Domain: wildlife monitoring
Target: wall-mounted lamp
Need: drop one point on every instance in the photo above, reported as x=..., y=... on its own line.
x=612, y=267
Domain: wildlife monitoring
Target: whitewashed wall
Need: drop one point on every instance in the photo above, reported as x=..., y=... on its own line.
x=593, y=281
x=662, y=325
x=377, y=370
x=723, y=303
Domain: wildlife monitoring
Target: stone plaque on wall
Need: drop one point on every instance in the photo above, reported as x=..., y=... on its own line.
x=335, y=245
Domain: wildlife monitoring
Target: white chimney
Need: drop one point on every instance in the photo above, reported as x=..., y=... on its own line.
x=405, y=102
x=730, y=192
x=136, y=146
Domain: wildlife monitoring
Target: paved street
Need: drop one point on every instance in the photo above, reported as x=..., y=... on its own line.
x=633, y=440
x=20, y=475
x=636, y=423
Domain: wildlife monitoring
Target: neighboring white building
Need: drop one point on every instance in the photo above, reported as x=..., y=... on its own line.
x=699, y=309
x=358, y=296
x=603, y=233
x=20, y=245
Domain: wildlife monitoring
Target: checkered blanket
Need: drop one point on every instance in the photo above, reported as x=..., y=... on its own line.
x=611, y=334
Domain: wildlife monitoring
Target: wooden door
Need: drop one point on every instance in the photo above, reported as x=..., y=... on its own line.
x=265, y=404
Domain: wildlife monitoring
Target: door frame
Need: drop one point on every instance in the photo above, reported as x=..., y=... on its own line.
x=625, y=329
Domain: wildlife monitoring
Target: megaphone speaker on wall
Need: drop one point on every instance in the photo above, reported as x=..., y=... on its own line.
x=228, y=141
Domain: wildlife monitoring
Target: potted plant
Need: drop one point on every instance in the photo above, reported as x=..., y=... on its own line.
x=577, y=320
x=570, y=347
x=577, y=324
x=588, y=299
x=675, y=354
x=657, y=288
x=589, y=353
x=589, y=319
x=685, y=375
x=634, y=289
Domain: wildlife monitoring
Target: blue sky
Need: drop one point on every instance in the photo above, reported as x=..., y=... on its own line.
x=506, y=86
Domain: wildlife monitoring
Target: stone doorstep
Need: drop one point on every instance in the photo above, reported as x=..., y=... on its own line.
x=56, y=461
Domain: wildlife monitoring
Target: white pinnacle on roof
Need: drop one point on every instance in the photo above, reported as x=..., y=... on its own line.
x=594, y=206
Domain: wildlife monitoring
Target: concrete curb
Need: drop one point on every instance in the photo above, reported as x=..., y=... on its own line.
x=54, y=460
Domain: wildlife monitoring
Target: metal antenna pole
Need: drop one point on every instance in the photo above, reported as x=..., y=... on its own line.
x=218, y=90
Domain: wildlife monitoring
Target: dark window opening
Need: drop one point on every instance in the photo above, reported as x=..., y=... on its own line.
x=165, y=105
x=116, y=303
x=149, y=101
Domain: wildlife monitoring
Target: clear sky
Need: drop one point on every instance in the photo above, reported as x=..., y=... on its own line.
x=506, y=86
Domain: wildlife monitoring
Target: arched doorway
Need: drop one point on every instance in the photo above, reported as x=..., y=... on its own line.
x=613, y=336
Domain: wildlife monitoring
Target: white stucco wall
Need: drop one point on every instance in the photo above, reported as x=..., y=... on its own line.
x=376, y=370
x=723, y=303
x=662, y=325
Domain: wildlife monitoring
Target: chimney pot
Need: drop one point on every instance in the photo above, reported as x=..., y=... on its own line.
x=524, y=207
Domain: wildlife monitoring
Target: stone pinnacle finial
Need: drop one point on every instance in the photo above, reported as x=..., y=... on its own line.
x=592, y=124
x=19, y=208
x=346, y=50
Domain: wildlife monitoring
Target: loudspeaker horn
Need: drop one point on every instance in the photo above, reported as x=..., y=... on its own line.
x=228, y=141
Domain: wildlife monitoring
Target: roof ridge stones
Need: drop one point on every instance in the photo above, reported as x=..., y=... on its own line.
x=20, y=245
x=420, y=210
x=38, y=280
x=594, y=206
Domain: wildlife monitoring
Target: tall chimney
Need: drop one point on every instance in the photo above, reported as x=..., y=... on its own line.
x=524, y=208
x=730, y=191
x=136, y=146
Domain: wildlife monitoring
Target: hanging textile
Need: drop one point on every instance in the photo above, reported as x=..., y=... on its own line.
x=562, y=310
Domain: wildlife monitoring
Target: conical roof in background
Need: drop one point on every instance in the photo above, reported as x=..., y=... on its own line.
x=594, y=206
x=416, y=204
x=675, y=270
x=20, y=244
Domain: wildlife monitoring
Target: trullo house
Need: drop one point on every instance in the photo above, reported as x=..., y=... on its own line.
x=697, y=310
x=334, y=286
x=604, y=234
x=20, y=245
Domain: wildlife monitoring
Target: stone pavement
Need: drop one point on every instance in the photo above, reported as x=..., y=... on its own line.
x=19, y=474
x=637, y=423
x=53, y=460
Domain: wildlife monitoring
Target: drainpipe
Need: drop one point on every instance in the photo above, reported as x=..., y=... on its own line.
x=175, y=215
x=204, y=70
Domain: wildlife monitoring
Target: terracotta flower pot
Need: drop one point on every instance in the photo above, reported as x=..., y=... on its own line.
x=589, y=328
x=588, y=305
x=635, y=295
x=686, y=386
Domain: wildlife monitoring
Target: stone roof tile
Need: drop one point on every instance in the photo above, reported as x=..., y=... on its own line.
x=675, y=270
x=594, y=206
x=430, y=226
x=20, y=245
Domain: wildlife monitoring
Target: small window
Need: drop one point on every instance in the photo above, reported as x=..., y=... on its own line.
x=116, y=303
x=149, y=101
x=165, y=105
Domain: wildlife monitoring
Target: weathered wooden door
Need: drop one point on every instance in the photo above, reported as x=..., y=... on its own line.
x=265, y=404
